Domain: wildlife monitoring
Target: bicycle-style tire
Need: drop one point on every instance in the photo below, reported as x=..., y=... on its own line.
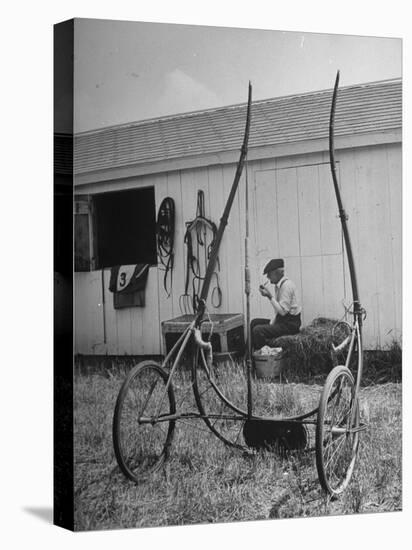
x=141, y=448
x=337, y=437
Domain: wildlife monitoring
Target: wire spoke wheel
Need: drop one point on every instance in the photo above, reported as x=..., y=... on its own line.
x=220, y=418
x=141, y=439
x=337, y=435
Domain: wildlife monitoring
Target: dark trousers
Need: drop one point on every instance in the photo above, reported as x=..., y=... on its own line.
x=263, y=333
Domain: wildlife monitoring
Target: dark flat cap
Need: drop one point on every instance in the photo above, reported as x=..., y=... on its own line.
x=273, y=264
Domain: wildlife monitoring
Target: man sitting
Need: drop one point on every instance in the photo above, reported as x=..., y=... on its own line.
x=285, y=304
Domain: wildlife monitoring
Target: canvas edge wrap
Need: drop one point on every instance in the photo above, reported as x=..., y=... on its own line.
x=63, y=460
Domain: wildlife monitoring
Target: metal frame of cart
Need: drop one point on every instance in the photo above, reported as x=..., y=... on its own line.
x=143, y=430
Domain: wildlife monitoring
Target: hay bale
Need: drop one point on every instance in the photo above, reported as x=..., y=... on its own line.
x=309, y=352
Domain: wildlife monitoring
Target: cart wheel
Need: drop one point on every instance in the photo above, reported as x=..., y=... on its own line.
x=212, y=407
x=337, y=437
x=142, y=447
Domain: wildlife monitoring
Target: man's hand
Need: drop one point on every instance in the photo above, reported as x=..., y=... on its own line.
x=265, y=292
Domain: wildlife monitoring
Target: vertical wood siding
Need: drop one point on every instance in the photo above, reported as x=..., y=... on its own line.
x=298, y=225
x=373, y=194
x=292, y=214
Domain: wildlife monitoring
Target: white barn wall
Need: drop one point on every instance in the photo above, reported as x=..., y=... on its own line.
x=294, y=220
x=293, y=214
x=372, y=192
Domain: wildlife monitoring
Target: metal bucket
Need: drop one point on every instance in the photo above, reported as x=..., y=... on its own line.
x=268, y=367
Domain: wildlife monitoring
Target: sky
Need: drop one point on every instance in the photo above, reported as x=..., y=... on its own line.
x=129, y=71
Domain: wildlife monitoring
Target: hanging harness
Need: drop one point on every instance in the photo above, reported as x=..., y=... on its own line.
x=198, y=252
x=165, y=229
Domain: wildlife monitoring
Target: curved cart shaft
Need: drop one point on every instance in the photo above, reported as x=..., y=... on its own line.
x=358, y=311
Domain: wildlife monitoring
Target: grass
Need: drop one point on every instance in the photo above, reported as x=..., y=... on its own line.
x=205, y=481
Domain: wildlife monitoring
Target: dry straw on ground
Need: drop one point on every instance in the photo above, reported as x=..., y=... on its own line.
x=310, y=358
